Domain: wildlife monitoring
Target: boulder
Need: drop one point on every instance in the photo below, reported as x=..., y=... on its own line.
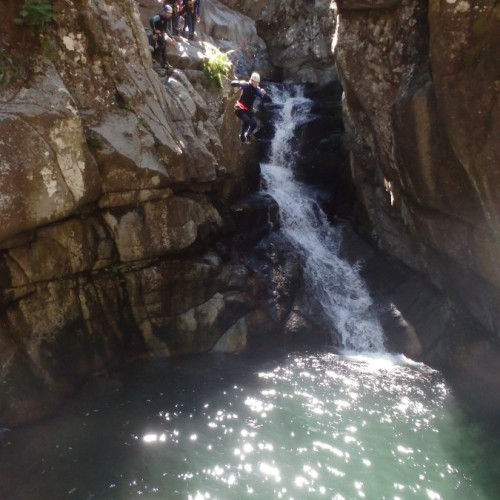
x=160, y=227
x=47, y=172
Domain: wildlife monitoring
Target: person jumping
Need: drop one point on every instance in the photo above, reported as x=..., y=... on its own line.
x=243, y=109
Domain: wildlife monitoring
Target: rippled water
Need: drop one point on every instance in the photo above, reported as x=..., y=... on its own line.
x=297, y=426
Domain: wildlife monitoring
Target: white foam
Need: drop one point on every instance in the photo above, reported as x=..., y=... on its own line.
x=336, y=284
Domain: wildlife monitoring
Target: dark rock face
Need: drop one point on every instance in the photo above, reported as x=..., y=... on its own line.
x=298, y=316
x=421, y=111
x=347, y=5
x=420, y=116
x=426, y=325
x=298, y=35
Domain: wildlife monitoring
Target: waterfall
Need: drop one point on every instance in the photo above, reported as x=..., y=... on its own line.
x=336, y=284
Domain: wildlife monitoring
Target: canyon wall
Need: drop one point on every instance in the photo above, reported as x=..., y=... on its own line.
x=128, y=205
x=422, y=115
x=298, y=35
x=421, y=83
x=117, y=192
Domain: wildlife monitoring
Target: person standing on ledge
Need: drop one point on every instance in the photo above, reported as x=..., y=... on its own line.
x=191, y=12
x=161, y=26
x=243, y=109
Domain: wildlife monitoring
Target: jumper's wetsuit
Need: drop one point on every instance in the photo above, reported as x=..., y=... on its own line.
x=244, y=107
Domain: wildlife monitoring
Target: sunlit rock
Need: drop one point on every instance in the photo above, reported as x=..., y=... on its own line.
x=46, y=170
x=298, y=35
x=160, y=227
x=234, y=340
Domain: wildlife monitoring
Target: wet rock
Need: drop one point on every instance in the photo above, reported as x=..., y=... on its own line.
x=253, y=218
x=472, y=366
x=298, y=36
x=234, y=340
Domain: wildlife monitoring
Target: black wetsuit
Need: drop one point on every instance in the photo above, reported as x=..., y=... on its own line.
x=244, y=107
x=157, y=40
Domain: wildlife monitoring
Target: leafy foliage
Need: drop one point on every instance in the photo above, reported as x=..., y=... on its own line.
x=8, y=68
x=217, y=65
x=36, y=13
x=94, y=141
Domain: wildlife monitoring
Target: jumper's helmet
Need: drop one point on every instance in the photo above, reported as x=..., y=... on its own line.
x=255, y=77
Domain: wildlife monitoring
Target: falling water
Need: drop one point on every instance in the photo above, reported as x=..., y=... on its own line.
x=336, y=284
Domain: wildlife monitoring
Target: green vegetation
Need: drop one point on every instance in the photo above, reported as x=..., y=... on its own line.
x=121, y=269
x=8, y=69
x=47, y=47
x=144, y=123
x=94, y=141
x=36, y=14
x=217, y=65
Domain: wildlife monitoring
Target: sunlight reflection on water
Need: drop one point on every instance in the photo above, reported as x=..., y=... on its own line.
x=311, y=426
x=325, y=438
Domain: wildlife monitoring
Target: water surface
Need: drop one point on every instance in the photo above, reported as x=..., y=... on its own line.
x=315, y=425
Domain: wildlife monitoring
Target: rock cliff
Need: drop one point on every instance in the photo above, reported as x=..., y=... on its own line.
x=421, y=107
x=298, y=34
x=117, y=227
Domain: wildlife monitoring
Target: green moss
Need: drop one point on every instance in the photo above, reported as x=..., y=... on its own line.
x=144, y=123
x=122, y=269
x=47, y=47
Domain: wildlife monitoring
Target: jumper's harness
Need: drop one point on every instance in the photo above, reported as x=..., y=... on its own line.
x=241, y=106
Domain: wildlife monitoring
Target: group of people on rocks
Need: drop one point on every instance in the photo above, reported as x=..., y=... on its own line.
x=167, y=24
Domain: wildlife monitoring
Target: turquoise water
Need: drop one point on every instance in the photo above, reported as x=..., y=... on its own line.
x=298, y=426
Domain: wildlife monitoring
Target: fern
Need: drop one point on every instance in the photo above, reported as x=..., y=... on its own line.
x=8, y=69
x=216, y=65
x=36, y=13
